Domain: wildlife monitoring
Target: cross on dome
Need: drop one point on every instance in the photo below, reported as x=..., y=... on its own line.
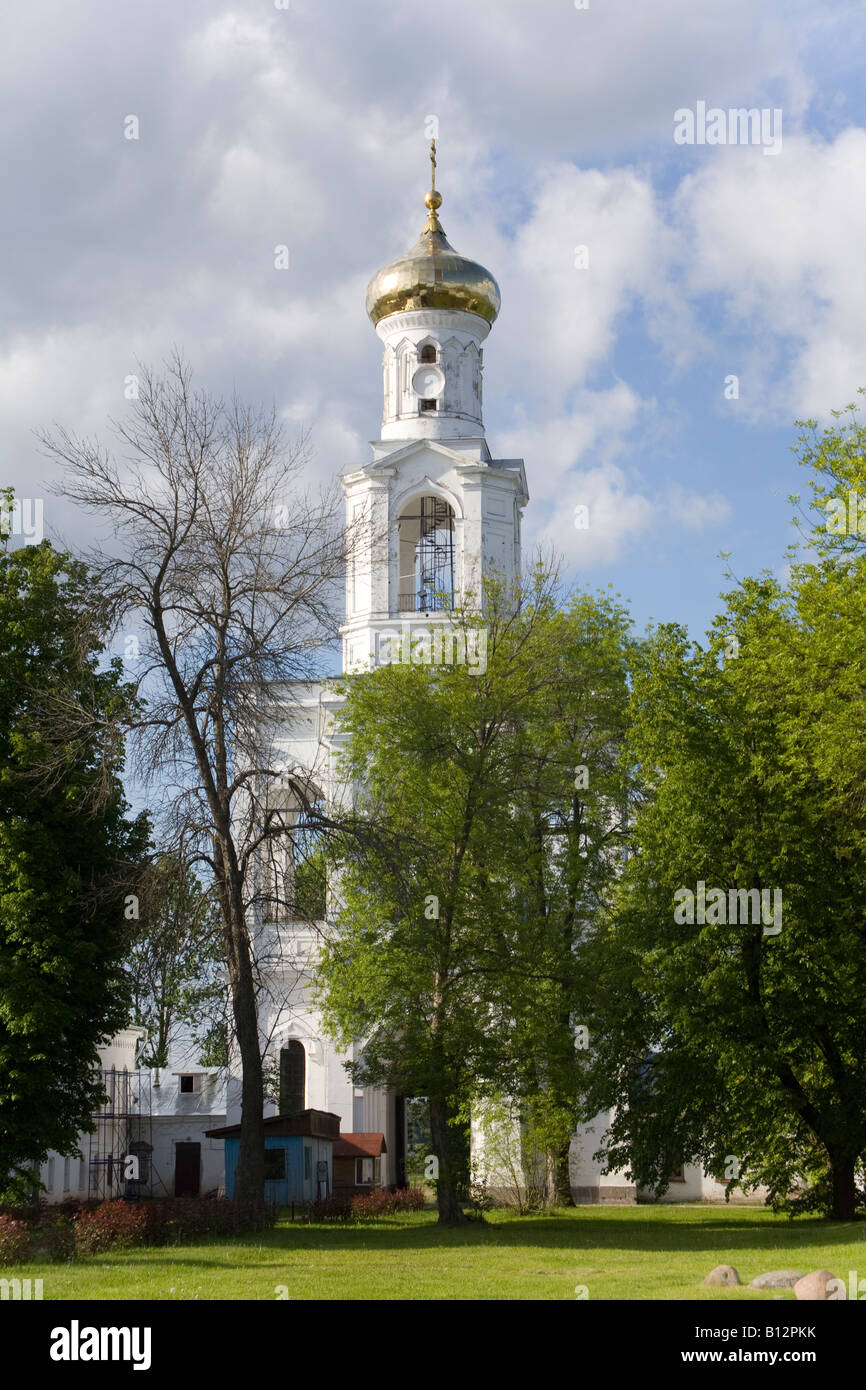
x=433, y=199
x=432, y=275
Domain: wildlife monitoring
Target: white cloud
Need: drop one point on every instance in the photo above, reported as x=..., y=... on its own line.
x=781, y=240
x=305, y=127
x=568, y=312
x=587, y=459
x=693, y=510
x=613, y=517
x=615, y=511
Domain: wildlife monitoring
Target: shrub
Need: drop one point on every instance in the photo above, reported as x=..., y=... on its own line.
x=114, y=1225
x=14, y=1241
x=244, y=1216
x=31, y=1212
x=366, y=1206
x=336, y=1207
x=166, y=1221
x=56, y=1236
x=480, y=1198
x=173, y=1219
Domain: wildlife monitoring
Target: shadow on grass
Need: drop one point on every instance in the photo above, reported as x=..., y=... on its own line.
x=722, y=1233
x=623, y=1230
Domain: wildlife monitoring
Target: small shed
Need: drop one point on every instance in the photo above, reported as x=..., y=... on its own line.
x=298, y=1155
x=358, y=1161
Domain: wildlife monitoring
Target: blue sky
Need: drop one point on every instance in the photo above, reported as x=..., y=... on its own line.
x=307, y=126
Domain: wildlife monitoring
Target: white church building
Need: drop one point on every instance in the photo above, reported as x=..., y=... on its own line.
x=432, y=512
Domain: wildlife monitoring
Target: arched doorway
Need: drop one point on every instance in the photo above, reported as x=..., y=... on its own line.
x=293, y=1078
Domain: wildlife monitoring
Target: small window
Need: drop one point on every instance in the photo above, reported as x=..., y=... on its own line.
x=186, y=1085
x=275, y=1165
x=368, y=1172
x=428, y=353
x=678, y=1176
x=429, y=405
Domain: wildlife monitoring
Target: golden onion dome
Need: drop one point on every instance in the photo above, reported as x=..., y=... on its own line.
x=432, y=275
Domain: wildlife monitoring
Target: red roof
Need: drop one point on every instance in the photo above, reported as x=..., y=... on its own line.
x=360, y=1146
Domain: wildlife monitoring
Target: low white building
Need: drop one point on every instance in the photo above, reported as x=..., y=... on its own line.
x=692, y=1184
x=157, y=1118
x=184, y=1104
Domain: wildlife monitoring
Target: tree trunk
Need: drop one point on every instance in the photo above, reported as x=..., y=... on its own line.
x=250, y=1172
x=447, y=1187
x=562, y=1047
x=844, y=1190
x=562, y=1176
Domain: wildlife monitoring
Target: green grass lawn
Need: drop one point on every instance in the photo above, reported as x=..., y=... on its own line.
x=658, y=1252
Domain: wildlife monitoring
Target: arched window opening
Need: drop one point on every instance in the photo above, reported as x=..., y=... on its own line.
x=426, y=556
x=276, y=853
x=294, y=880
x=293, y=1078
x=428, y=353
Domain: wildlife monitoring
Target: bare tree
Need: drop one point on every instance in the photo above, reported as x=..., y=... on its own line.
x=223, y=576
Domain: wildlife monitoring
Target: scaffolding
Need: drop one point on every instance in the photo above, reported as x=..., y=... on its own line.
x=120, y=1159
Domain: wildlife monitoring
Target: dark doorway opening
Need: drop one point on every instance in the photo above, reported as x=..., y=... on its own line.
x=187, y=1170
x=293, y=1077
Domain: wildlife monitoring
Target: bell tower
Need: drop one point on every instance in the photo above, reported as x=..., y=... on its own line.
x=432, y=514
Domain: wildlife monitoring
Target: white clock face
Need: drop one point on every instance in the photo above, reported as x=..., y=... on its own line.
x=428, y=382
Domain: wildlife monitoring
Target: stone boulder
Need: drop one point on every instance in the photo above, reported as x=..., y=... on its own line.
x=777, y=1279
x=812, y=1288
x=723, y=1274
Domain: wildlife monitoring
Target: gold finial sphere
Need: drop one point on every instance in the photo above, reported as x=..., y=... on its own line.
x=433, y=199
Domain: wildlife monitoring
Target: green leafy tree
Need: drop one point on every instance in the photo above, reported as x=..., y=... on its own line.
x=474, y=868
x=564, y=848
x=69, y=855
x=831, y=599
x=740, y=1043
